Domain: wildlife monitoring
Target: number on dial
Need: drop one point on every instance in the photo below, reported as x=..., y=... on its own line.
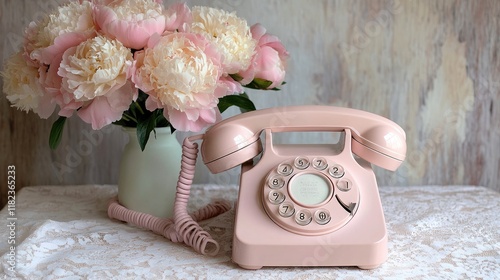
x=286, y=209
x=276, y=197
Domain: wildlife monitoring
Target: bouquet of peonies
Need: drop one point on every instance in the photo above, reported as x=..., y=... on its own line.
x=135, y=63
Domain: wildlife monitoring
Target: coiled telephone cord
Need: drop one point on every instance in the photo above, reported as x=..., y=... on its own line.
x=183, y=227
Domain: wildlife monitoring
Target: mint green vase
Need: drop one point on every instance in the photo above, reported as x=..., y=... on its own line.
x=148, y=179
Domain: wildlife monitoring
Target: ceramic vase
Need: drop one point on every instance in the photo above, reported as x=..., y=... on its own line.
x=148, y=179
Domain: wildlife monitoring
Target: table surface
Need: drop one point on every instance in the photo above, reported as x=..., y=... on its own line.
x=63, y=232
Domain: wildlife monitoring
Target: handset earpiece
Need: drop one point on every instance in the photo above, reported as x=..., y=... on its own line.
x=381, y=145
x=229, y=145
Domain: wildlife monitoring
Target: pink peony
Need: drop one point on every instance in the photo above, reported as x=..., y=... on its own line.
x=96, y=75
x=104, y=110
x=22, y=88
x=193, y=119
x=51, y=82
x=69, y=25
x=131, y=22
x=178, y=17
x=230, y=34
x=269, y=61
x=182, y=73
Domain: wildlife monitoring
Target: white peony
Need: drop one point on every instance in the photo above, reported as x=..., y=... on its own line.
x=136, y=10
x=95, y=67
x=21, y=83
x=181, y=71
x=230, y=34
x=71, y=17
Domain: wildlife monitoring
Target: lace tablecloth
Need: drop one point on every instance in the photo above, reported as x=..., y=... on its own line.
x=63, y=232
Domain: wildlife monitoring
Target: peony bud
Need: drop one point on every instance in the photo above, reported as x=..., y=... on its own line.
x=268, y=63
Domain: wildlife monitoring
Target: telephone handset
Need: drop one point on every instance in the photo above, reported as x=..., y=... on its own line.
x=299, y=205
x=236, y=140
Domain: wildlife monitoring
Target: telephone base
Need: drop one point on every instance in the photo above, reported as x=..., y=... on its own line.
x=258, y=241
x=308, y=207
x=311, y=253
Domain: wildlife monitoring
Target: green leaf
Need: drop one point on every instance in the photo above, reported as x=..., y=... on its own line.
x=56, y=132
x=236, y=77
x=136, y=111
x=242, y=101
x=161, y=121
x=125, y=121
x=261, y=83
x=144, y=128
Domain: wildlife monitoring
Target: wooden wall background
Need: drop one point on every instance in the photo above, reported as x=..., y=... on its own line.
x=431, y=66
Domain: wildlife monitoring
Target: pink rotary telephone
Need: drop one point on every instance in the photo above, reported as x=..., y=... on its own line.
x=299, y=205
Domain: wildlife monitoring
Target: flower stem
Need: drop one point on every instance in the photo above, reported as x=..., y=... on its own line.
x=129, y=118
x=138, y=107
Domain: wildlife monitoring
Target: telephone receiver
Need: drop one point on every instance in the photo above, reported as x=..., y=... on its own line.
x=299, y=205
x=236, y=140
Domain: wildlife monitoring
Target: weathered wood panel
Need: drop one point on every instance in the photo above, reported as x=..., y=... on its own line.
x=431, y=66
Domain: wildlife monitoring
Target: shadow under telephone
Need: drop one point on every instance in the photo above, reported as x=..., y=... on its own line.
x=299, y=205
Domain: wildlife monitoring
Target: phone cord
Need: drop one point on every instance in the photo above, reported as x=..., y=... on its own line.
x=183, y=227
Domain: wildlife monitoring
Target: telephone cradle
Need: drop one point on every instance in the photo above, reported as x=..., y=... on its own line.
x=298, y=205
